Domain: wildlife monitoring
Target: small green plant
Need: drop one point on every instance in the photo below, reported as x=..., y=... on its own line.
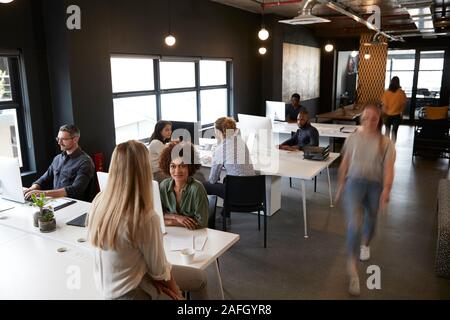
x=47, y=216
x=39, y=201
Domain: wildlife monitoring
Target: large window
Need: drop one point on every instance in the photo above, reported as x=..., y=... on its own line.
x=429, y=77
x=146, y=89
x=12, y=112
x=401, y=63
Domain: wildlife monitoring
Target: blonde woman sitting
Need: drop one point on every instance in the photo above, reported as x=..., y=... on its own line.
x=130, y=262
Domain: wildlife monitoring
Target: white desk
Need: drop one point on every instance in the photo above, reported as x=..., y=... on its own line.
x=325, y=129
x=19, y=223
x=32, y=268
x=275, y=163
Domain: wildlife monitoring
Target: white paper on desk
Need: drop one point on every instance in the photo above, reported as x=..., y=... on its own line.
x=199, y=242
x=178, y=243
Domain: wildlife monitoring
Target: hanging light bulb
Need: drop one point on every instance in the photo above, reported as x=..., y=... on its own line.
x=170, y=40
x=354, y=53
x=6, y=1
x=263, y=34
x=262, y=51
x=329, y=47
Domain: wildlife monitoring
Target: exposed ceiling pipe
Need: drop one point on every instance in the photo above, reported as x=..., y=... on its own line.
x=265, y=4
x=337, y=7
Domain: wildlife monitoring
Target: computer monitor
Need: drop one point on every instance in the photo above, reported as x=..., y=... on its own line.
x=256, y=131
x=11, y=180
x=276, y=110
x=157, y=205
x=186, y=131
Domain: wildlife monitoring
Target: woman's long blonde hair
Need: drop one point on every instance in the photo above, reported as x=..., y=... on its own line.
x=127, y=201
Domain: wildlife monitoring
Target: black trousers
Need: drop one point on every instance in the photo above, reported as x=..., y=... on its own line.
x=217, y=189
x=394, y=122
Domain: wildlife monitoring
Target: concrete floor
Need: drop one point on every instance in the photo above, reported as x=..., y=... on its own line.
x=293, y=267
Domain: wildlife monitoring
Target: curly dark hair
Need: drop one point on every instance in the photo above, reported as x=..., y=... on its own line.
x=176, y=149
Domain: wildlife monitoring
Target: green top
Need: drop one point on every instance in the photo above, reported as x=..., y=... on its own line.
x=194, y=200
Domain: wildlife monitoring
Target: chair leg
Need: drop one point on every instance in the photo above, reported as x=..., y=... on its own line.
x=259, y=223
x=224, y=220
x=290, y=182
x=315, y=184
x=265, y=228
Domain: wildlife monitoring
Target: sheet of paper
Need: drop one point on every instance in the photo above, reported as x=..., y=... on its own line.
x=199, y=242
x=178, y=243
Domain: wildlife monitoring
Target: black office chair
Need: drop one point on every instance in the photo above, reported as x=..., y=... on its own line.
x=212, y=202
x=245, y=194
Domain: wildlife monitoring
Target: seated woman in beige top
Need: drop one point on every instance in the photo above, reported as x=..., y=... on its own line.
x=130, y=262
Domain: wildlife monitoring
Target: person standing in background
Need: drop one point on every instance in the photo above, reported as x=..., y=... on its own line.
x=394, y=101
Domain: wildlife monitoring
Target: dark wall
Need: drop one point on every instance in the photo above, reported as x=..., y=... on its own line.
x=202, y=29
x=22, y=29
x=273, y=61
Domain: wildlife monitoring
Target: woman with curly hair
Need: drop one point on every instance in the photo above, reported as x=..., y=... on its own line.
x=184, y=199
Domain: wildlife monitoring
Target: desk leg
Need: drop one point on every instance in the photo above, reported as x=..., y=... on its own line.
x=219, y=278
x=304, y=207
x=329, y=188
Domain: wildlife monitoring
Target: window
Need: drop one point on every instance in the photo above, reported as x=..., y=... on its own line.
x=430, y=74
x=146, y=89
x=401, y=63
x=12, y=111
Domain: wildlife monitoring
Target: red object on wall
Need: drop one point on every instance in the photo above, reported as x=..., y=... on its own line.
x=98, y=161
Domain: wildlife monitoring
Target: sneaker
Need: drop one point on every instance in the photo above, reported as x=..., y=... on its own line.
x=353, y=287
x=364, y=253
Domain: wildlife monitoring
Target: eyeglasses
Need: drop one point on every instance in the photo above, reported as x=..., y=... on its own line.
x=58, y=139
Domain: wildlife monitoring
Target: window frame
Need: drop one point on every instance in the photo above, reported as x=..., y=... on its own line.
x=158, y=92
x=20, y=104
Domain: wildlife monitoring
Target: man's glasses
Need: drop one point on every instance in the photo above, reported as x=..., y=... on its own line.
x=63, y=139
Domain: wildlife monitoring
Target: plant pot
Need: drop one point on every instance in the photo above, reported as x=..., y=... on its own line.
x=36, y=216
x=47, y=226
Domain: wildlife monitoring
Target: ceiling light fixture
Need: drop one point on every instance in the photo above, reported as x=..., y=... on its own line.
x=170, y=40
x=329, y=47
x=263, y=34
x=6, y=1
x=354, y=53
x=262, y=51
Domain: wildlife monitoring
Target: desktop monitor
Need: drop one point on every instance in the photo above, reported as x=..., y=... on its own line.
x=276, y=110
x=186, y=131
x=256, y=131
x=11, y=180
x=157, y=205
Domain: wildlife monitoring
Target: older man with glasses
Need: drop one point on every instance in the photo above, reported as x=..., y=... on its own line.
x=71, y=172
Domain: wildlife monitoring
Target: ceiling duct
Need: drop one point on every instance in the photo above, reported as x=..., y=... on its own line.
x=304, y=15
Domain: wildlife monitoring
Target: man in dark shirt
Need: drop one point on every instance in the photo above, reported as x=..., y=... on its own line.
x=306, y=135
x=293, y=108
x=71, y=172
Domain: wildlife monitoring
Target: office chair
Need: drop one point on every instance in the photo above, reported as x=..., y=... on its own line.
x=245, y=194
x=212, y=202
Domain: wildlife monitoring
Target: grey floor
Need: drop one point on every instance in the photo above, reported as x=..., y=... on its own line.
x=293, y=267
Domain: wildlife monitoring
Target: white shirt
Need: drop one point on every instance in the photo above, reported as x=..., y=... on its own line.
x=155, y=148
x=118, y=272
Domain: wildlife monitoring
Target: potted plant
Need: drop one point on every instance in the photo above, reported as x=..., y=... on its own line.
x=38, y=201
x=47, y=222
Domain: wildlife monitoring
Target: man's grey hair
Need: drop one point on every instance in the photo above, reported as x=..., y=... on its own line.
x=71, y=129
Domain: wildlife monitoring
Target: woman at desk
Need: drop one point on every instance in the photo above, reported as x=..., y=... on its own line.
x=394, y=101
x=231, y=153
x=130, y=262
x=366, y=175
x=184, y=199
x=161, y=136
